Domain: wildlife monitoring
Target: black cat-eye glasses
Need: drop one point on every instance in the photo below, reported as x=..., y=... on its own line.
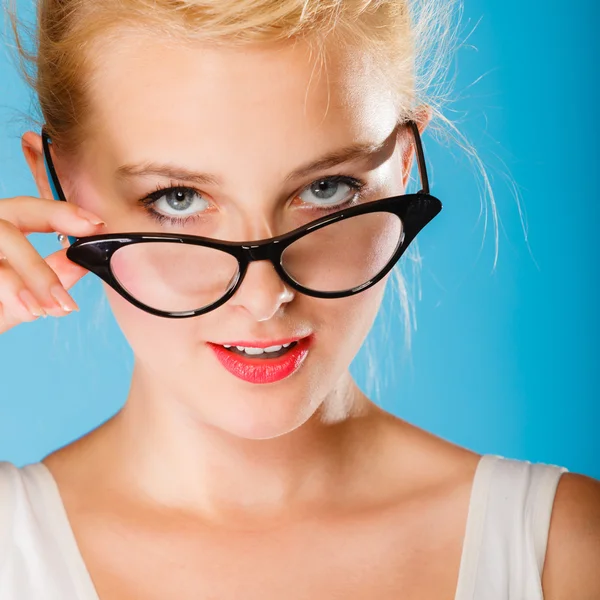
x=337, y=255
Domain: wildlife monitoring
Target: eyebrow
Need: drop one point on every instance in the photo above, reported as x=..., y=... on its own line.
x=332, y=159
x=166, y=170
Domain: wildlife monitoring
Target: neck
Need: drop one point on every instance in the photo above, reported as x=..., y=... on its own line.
x=173, y=457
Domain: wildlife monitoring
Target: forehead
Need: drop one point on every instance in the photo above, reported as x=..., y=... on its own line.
x=242, y=101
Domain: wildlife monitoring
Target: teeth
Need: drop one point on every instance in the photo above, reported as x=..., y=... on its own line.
x=256, y=351
x=252, y=351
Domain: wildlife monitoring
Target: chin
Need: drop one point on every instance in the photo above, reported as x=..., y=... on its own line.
x=262, y=420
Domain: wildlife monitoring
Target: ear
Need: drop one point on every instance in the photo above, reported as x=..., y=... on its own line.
x=31, y=144
x=422, y=118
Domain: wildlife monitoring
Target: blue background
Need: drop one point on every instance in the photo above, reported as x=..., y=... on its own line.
x=504, y=360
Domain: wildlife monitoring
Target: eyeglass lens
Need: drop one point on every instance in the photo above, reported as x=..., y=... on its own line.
x=175, y=277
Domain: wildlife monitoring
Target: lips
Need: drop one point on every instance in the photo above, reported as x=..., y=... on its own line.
x=263, y=370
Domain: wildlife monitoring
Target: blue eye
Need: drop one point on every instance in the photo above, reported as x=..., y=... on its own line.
x=331, y=191
x=177, y=205
x=180, y=202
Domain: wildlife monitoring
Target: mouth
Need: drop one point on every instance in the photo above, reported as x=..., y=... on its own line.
x=262, y=362
x=266, y=353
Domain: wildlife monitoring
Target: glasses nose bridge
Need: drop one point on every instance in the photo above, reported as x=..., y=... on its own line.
x=262, y=251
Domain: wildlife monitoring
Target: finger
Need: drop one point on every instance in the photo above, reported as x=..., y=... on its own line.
x=68, y=272
x=35, y=272
x=29, y=214
x=17, y=304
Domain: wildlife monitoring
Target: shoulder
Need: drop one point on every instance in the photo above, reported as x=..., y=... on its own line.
x=571, y=568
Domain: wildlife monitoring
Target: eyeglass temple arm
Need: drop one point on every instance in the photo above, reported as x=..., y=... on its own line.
x=53, y=181
x=50, y=171
x=420, y=158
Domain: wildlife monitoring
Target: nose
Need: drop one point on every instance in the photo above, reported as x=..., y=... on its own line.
x=262, y=291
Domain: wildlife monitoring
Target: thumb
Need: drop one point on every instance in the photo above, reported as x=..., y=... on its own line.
x=67, y=271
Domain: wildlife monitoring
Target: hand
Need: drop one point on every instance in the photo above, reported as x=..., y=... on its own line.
x=31, y=286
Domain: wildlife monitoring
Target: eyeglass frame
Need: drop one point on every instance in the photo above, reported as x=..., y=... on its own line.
x=94, y=252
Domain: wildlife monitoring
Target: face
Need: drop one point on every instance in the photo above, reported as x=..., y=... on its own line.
x=239, y=133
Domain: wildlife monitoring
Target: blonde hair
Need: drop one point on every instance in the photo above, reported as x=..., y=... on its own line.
x=412, y=40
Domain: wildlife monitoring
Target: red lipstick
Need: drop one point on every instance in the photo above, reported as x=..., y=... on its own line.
x=265, y=369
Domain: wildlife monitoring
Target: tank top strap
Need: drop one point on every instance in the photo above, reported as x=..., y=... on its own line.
x=507, y=529
x=8, y=481
x=39, y=557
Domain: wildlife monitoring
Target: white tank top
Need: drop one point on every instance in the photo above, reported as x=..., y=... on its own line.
x=502, y=556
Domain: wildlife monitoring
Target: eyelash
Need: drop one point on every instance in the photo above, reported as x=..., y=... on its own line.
x=147, y=202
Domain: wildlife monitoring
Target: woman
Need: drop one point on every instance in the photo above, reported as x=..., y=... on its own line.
x=246, y=463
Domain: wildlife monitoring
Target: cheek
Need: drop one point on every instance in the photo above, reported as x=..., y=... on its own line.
x=150, y=337
x=348, y=320
x=368, y=303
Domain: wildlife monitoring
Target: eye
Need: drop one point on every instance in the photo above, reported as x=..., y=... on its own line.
x=178, y=201
x=178, y=205
x=331, y=191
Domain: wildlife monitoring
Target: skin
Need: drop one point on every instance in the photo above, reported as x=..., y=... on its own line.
x=301, y=488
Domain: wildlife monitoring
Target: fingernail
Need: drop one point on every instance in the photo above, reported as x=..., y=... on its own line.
x=31, y=304
x=63, y=298
x=88, y=216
